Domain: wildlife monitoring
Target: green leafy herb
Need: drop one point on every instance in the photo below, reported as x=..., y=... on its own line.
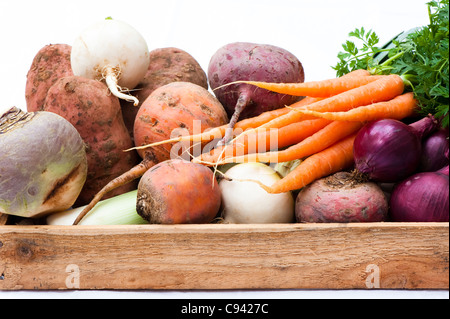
x=420, y=56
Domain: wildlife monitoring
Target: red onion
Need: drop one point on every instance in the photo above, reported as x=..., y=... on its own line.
x=435, y=151
x=443, y=170
x=422, y=197
x=389, y=150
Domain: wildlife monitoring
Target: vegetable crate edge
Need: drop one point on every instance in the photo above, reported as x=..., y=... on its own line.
x=223, y=256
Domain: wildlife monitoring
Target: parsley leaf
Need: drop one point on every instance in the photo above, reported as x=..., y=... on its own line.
x=420, y=56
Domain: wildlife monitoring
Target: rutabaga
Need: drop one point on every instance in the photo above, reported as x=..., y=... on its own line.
x=113, y=51
x=43, y=164
x=118, y=210
x=245, y=202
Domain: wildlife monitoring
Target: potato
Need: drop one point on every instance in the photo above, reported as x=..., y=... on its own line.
x=341, y=198
x=166, y=65
x=51, y=63
x=178, y=192
x=96, y=114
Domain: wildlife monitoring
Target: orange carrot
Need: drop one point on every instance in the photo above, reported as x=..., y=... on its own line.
x=240, y=126
x=324, y=88
x=254, y=121
x=333, y=159
x=322, y=139
x=383, y=89
x=263, y=141
x=398, y=108
x=265, y=117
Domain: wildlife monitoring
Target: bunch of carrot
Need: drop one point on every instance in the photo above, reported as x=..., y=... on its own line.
x=319, y=130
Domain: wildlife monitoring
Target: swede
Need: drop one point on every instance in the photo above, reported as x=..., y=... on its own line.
x=114, y=51
x=245, y=202
x=43, y=164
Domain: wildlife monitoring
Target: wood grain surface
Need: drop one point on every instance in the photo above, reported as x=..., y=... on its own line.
x=220, y=256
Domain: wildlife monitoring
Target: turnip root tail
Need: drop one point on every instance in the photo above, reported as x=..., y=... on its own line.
x=136, y=172
x=111, y=77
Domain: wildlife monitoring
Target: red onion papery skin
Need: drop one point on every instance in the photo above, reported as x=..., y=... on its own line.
x=387, y=150
x=435, y=151
x=422, y=197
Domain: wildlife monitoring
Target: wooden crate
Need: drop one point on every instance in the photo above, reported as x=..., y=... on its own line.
x=218, y=256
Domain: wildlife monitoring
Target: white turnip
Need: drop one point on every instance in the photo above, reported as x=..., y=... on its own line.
x=114, y=51
x=245, y=202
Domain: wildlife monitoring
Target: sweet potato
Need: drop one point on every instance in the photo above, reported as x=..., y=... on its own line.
x=51, y=63
x=96, y=114
x=166, y=65
x=341, y=198
x=175, y=106
x=178, y=192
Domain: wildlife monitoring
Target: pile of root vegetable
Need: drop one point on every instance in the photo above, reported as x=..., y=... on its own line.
x=139, y=136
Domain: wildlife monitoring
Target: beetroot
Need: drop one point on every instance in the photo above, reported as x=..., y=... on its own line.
x=341, y=198
x=257, y=62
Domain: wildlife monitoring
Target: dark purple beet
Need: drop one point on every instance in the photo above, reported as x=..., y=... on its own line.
x=256, y=62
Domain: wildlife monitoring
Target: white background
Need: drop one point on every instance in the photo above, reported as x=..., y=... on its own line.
x=310, y=29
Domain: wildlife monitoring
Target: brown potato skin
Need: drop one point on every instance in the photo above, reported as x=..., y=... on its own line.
x=51, y=63
x=178, y=192
x=174, y=106
x=341, y=199
x=166, y=65
x=96, y=114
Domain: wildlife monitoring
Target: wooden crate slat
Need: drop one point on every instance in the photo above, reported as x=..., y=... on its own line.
x=219, y=256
